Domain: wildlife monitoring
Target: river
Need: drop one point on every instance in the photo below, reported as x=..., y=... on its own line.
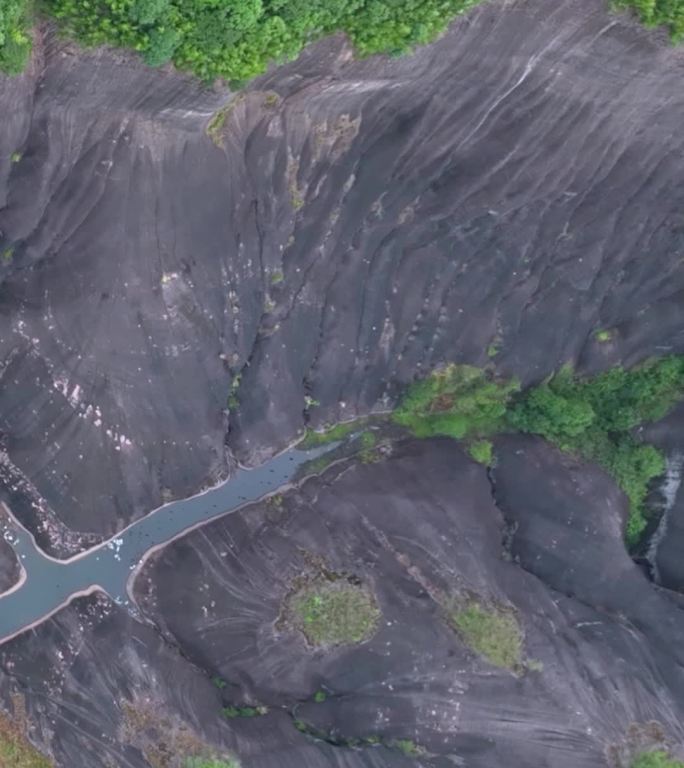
x=48, y=584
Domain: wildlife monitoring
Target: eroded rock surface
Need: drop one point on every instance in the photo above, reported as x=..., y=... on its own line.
x=174, y=298
x=99, y=689
x=420, y=529
x=512, y=187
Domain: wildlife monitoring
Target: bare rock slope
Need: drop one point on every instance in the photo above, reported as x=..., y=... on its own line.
x=601, y=654
x=180, y=292
x=511, y=188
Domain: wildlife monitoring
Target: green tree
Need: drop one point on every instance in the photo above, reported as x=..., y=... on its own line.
x=15, y=42
x=147, y=12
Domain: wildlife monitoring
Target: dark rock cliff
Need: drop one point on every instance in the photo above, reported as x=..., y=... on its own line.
x=602, y=647
x=495, y=198
x=514, y=184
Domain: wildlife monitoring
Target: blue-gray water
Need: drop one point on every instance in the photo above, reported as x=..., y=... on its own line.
x=50, y=583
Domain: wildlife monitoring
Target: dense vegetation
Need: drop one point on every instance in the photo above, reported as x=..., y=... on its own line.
x=658, y=759
x=590, y=417
x=655, y=13
x=15, y=43
x=236, y=39
x=458, y=401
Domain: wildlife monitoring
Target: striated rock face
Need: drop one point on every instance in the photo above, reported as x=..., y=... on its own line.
x=180, y=292
x=515, y=184
x=601, y=646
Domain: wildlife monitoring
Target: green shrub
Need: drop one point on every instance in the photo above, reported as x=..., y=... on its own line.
x=233, y=712
x=492, y=632
x=407, y=746
x=458, y=401
x=604, y=335
x=482, y=451
x=657, y=759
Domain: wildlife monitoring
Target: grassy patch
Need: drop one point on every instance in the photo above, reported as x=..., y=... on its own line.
x=492, y=632
x=331, y=435
x=336, y=612
x=15, y=750
x=482, y=451
x=458, y=401
x=657, y=759
x=320, y=697
x=7, y=255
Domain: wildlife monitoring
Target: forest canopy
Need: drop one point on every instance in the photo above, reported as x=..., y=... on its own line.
x=237, y=39
x=234, y=39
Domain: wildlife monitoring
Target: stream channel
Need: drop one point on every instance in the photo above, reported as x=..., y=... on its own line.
x=48, y=584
